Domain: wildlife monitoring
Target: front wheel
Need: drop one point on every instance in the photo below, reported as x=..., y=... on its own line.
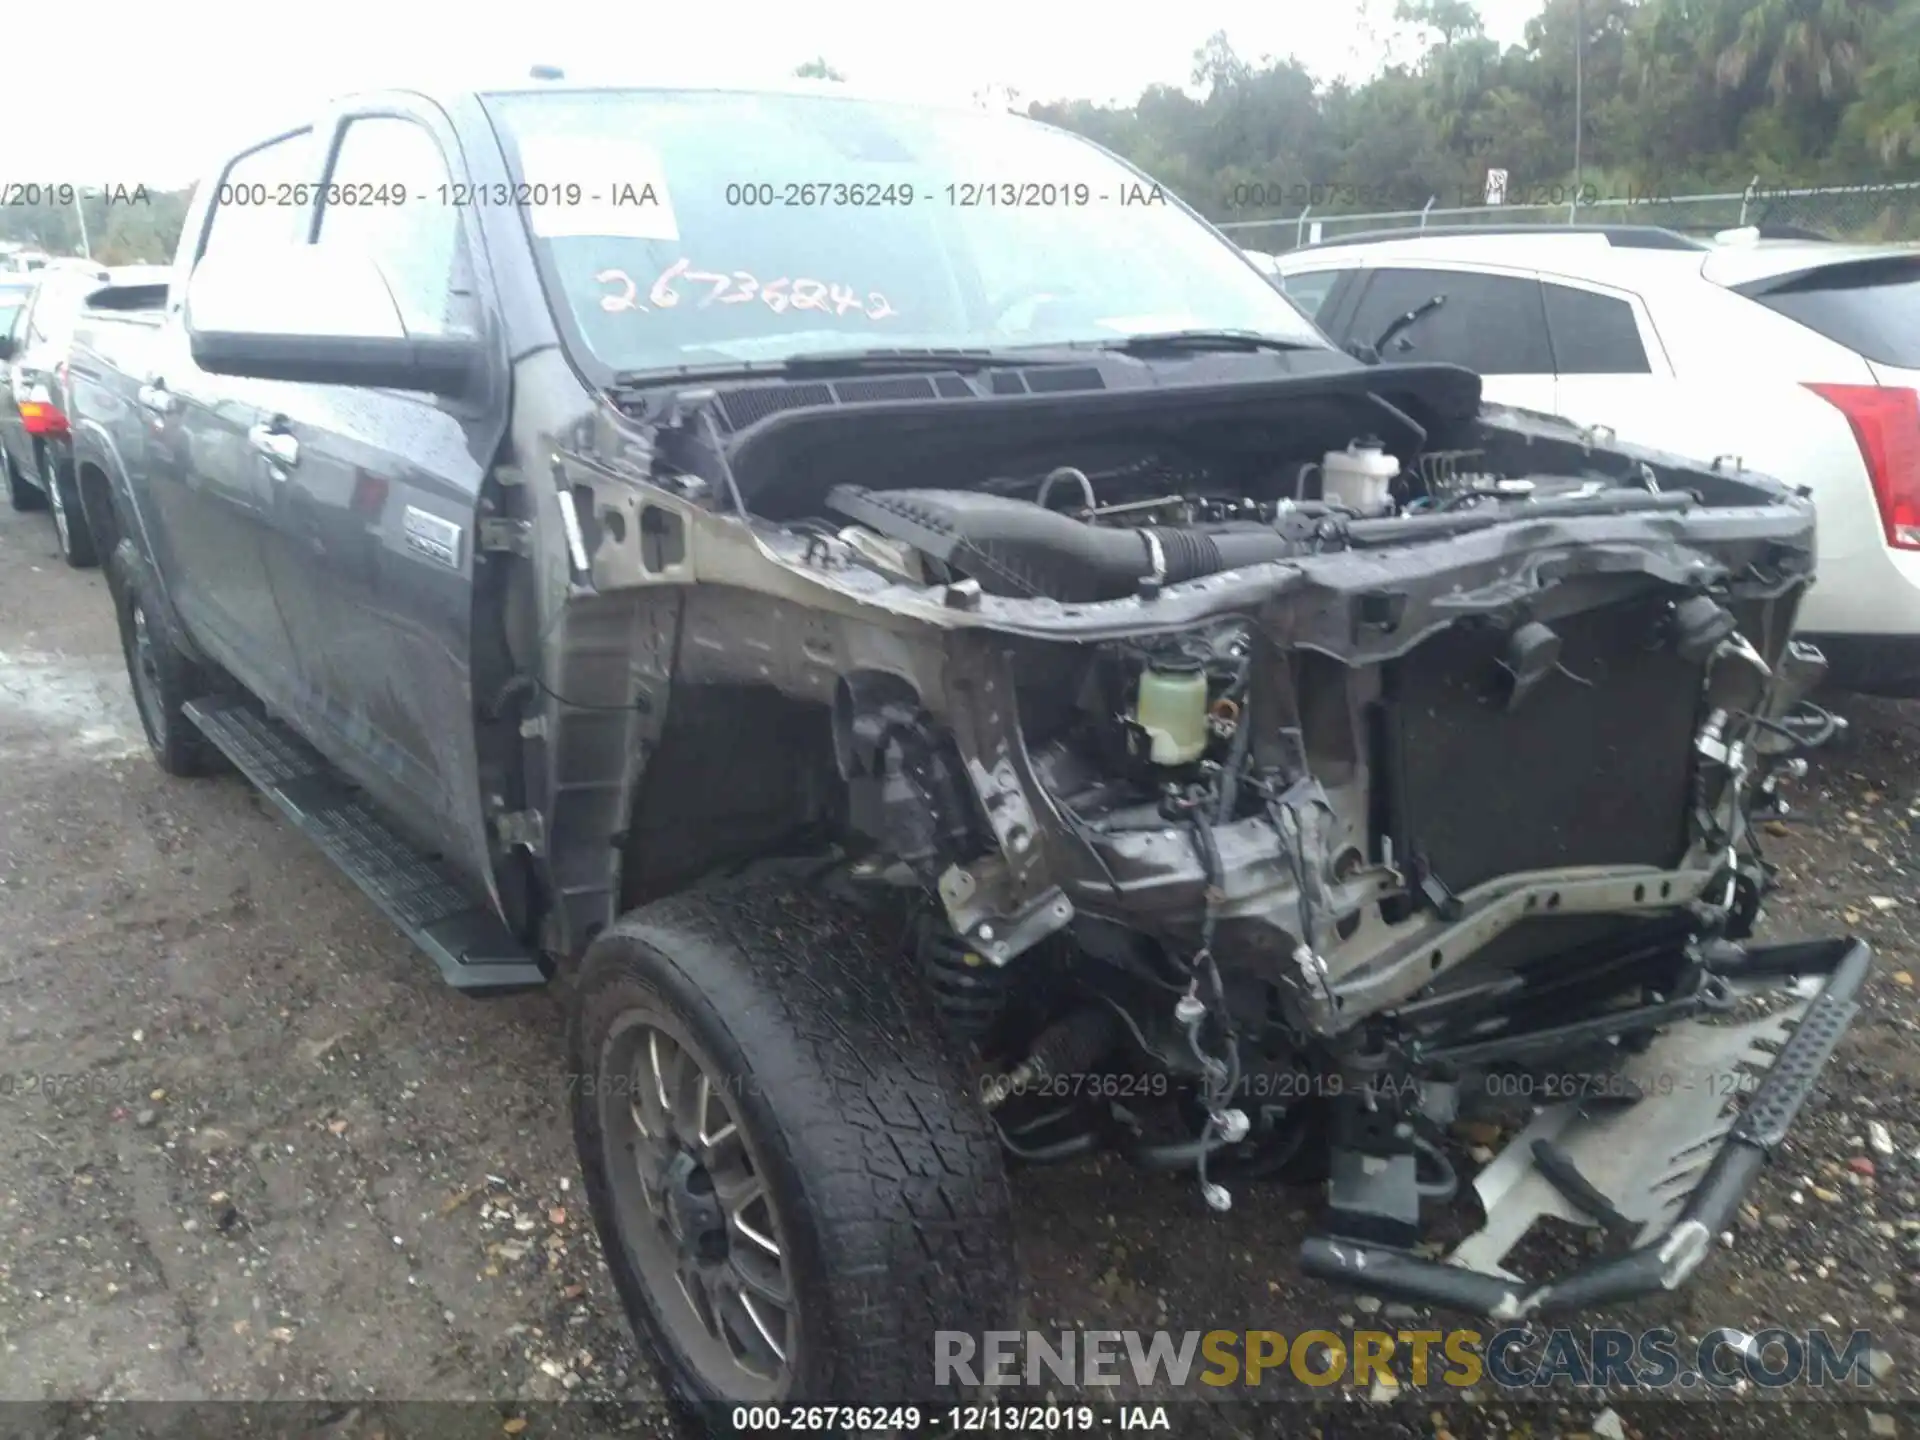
x=794, y=1185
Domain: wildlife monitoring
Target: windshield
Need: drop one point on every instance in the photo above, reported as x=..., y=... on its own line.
x=697, y=228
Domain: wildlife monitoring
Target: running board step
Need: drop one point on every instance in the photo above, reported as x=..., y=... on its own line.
x=466, y=939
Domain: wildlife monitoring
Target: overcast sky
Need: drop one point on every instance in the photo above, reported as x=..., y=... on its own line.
x=91, y=107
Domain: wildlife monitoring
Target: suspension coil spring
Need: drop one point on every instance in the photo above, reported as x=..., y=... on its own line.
x=969, y=992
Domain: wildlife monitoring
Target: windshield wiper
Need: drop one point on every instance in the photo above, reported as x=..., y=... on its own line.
x=1204, y=342
x=842, y=362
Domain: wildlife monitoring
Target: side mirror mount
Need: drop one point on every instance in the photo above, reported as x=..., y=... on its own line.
x=317, y=316
x=1364, y=352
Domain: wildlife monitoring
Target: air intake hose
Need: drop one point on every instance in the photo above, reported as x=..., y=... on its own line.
x=1019, y=549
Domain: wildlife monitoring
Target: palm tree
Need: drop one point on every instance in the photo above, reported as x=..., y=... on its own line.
x=1886, y=118
x=1806, y=49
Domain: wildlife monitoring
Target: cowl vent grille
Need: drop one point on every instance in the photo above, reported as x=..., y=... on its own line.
x=1054, y=381
x=742, y=408
x=891, y=387
x=748, y=405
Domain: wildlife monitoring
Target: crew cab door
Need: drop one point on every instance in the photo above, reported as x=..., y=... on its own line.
x=207, y=480
x=1490, y=320
x=374, y=492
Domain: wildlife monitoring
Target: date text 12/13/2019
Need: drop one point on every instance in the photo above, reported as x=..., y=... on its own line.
x=1050, y=1419
x=961, y=194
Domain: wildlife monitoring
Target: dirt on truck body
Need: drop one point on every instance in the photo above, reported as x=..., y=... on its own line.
x=1094, y=712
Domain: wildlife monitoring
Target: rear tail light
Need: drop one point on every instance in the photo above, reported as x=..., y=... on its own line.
x=42, y=417
x=1886, y=425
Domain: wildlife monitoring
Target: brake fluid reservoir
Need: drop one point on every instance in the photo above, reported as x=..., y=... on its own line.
x=1172, y=710
x=1359, y=476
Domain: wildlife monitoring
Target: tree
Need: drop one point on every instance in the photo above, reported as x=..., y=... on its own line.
x=817, y=69
x=133, y=225
x=1804, y=49
x=1216, y=66
x=1678, y=95
x=141, y=233
x=1451, y=20
x=1883, y=125
x=1762, y=85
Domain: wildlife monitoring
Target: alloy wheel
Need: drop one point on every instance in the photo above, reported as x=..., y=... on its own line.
x=695, y=1212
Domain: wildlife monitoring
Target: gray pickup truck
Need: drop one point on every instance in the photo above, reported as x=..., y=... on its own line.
x=954, y=669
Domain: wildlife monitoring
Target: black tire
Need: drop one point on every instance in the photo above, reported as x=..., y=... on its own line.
x=20, y=494
x=887, y=1188
x=163, y=679
x=70, y=522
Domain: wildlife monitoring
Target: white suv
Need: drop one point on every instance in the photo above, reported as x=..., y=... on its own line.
x=1797, y=358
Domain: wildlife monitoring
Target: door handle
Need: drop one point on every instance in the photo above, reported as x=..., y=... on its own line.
x=156, y=397
x=276, y=445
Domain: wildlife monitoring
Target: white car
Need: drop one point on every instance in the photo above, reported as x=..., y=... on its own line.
x=1798, y=358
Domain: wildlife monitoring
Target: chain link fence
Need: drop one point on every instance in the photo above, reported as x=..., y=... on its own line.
x=1885, y=212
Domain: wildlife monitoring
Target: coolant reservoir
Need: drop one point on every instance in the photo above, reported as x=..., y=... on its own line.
x=1173, y=710
x=1359, y=476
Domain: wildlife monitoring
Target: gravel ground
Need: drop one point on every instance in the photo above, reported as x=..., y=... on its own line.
x=253, y=1149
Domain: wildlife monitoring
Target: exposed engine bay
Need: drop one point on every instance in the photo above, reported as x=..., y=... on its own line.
x=1053, y=535
x=1272, y=776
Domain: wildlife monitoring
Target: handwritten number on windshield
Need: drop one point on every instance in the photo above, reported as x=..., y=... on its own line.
x=738, y=288
x=623, y=300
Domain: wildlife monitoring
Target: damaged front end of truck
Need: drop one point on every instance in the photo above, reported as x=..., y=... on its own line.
x=1244, y=821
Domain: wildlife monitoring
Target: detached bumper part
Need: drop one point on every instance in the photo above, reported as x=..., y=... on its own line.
x=1639, y=1155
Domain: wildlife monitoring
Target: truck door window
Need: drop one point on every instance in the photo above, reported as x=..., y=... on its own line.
x=1593, y=334
x=1492, y=324
x=387, y=196
x=256, y=202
